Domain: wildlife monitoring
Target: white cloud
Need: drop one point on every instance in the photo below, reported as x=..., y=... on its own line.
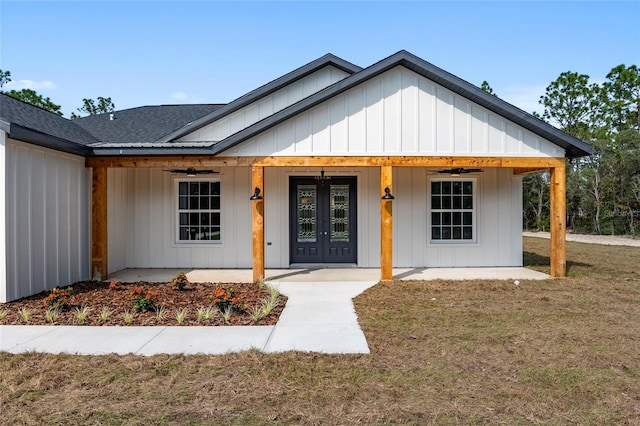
x=184, y=98
x=180, y=96
x=30, y=84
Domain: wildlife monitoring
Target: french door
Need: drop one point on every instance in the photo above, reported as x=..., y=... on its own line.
x=322, y=220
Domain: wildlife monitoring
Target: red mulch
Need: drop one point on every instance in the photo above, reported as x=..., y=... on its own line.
x=98, y=295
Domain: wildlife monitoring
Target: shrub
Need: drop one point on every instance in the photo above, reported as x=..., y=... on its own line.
x=144, y=301
x=59, y=298
x=115, y=285
x=180, y=281
x=224, y=299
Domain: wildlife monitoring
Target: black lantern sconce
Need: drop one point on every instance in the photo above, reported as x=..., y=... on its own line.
x=256, y=195
x=387, y=194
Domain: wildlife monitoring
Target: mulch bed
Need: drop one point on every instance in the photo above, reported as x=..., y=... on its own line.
x=98, y=295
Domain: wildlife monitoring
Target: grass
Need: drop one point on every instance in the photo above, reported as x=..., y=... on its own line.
x=483, y=352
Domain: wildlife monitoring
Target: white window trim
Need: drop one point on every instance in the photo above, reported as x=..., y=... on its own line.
x=474, y=217
x=176, y=216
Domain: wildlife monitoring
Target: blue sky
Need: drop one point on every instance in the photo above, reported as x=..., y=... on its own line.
x=149, y=53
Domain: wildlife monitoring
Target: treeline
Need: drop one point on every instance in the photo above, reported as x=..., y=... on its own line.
x=603, y=191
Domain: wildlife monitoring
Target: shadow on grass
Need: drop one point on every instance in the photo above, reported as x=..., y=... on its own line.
x=536, y=261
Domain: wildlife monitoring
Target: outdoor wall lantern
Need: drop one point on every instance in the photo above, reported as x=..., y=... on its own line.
x=322, y=179
x=256, y=194
x=387, y=194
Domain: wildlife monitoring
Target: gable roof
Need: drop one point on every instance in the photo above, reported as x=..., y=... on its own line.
x=263, y=91
x=574, y=147
x=153, y=130
x=143, y=125
x=38, y=126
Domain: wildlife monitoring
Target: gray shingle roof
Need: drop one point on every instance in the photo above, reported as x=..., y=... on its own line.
x=36, y=125
x=143, y=125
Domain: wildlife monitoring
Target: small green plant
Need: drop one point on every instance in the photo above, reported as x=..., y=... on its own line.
x=274, y=294
x=261, y=283
x=52, y=315
x=223, y=298
x=226, y=313
x=128, y=317
x=205, y=314
x=180, y=281
x=25, y=314
x=105, y=313
x=144, y=301
x=181, y=315
x=256, y=313
x=161, y=313
x=81, y=314
x=3, y=314
x=59, y=298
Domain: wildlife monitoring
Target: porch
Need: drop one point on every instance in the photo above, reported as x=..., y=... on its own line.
x=324, y=274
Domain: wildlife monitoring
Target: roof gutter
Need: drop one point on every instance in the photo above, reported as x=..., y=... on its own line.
x=47, y=141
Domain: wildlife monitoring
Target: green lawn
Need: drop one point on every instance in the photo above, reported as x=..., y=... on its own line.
x=470, y=352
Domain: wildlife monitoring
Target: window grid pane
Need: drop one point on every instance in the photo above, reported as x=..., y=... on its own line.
x=199, y=211
x=452, y=210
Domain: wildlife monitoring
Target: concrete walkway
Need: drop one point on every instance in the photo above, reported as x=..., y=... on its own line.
x=319, y=317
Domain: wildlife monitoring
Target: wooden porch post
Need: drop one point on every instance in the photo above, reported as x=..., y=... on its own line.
x=257, y=216
x=386, y=226
x=558, y=222
x=99, y=246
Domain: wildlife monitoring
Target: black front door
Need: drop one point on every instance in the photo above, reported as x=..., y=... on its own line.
x=322, y=220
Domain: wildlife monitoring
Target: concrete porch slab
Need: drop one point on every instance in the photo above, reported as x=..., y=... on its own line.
x=320, y=274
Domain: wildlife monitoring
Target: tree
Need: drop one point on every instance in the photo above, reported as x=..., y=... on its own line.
x=487, y=88
x=91, y=107
x=570, y=102
x=621, y=98
x=5, y=77
x=32, y=97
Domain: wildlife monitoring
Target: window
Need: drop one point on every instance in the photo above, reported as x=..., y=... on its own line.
x=452, y=210
x=199, y=210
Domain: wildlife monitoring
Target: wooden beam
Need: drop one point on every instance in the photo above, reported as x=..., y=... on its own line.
x=386, y=225
x=99, y=246
x=204, y=161
x=558, y=222
x=257, y=224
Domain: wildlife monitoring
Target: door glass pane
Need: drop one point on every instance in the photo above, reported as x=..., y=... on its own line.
x=307, y=213
x=339, y=202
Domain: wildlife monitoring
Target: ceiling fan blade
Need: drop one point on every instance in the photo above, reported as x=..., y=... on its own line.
x=458, y=171
x=192, y=171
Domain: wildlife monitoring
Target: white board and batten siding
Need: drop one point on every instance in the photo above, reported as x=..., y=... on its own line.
x=142, y=214
x=266, y=106
x=498, y=222
x=398, y=113
x=47, y=230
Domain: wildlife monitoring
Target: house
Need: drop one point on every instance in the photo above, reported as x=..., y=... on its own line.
x=399, y=164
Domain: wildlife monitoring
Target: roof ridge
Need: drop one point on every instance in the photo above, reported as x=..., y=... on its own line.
x=262, y=91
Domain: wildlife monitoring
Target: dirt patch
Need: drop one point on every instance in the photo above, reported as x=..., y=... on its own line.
x=98, y=296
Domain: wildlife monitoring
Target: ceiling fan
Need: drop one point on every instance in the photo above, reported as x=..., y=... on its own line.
x=191, y=171
x=458, y=171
